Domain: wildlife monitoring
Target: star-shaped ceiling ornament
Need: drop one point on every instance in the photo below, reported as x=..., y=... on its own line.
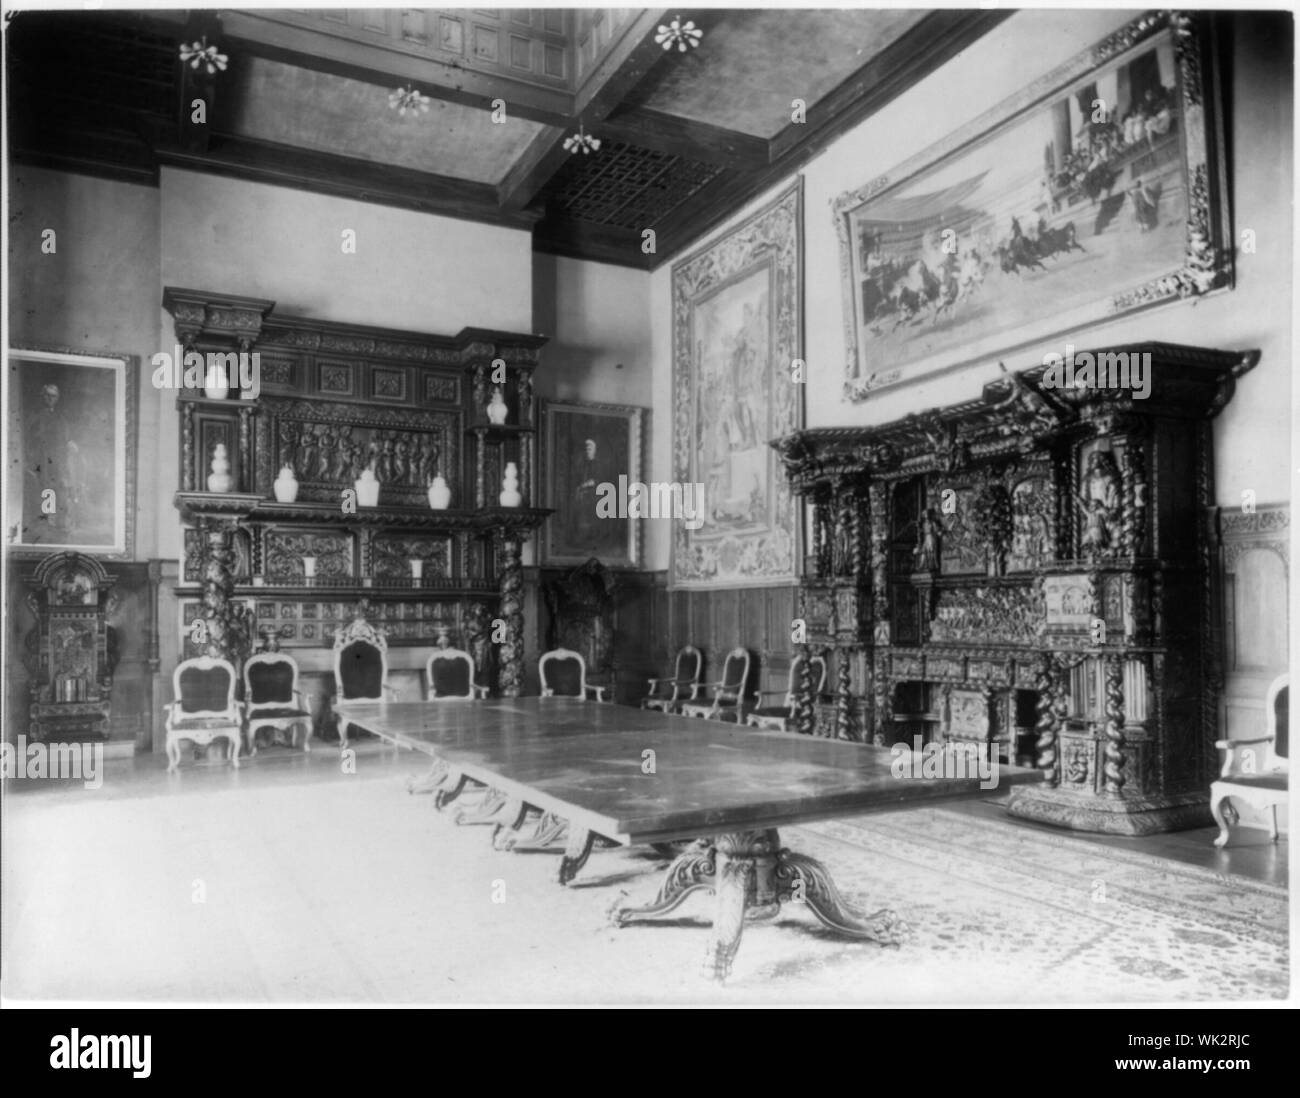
x=200, y=54
x=679, y=34
x=408, y=99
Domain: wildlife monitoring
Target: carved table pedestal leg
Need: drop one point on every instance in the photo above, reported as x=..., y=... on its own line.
x=751, y=876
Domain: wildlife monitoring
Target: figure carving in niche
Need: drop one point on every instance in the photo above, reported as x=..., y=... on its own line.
x=844, y=542
x=401, y=450
x=927, y=541
x=1096, y=532
x=478, y=624
x=344, y=455
x=428, y=460
x=1076, y=771
x=307, y=452
x=289, y=448
x=1102, y=481
x=825, y=545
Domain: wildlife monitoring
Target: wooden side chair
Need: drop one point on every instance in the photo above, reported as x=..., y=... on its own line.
x=205, y=708
x=563, y=673
x=450, y=676
x=727, y=699
x=272, y=699
x=1255, y=771
x=360, y=670
x=667, y=695
x=777, y=718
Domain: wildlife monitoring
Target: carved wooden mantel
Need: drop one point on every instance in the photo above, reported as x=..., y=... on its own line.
x=1030, y=569
x=334, y=400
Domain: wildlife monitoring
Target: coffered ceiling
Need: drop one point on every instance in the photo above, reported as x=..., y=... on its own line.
x=304, y=102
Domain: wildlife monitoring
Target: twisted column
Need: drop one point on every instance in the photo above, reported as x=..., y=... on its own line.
x=802, y=715
x=512, y=610
x=843, y=717
x=1046, y=725
x=1114, y=753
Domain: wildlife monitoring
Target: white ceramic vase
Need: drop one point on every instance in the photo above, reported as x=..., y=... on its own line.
x=439, y=494
x=367, y=486
x=497, y=409
x=510, y=496
x=219, y=478
x=286, y=485
x=211, y=389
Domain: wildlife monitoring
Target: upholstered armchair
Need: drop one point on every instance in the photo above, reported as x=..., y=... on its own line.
x=564, y=675
x=205, y=708
x=725, y=699
x=1255, y=771
x=272, y=698
x=450, y=676
x=666, y=695
x=777, y=718
x=360, y=670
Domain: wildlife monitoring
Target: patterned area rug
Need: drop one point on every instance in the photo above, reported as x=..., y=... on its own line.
x=289, y=882
x=1025, y=912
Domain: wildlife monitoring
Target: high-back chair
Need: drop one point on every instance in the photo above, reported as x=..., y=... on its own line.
x=778, y=717
x=667, y=695
x=1256, y=771
x=205, y=708
x=450, y=676
x=272, y=698
x=564, y=675
x=725, y=699
x=360, y=670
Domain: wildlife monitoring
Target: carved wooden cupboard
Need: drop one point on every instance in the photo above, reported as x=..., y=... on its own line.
x=336, y=401
x=1031, y=571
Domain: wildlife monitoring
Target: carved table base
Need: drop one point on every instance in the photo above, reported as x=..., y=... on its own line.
x=750, y=877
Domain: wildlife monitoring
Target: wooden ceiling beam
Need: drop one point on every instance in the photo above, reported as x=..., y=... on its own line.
x=346, y=177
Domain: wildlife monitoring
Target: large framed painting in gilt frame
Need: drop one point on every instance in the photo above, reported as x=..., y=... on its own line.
x=737, y=337
x=70, y=456
x=591, y=459
x=1095, y=191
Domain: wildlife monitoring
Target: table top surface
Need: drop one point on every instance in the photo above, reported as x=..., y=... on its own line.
x=587, y=762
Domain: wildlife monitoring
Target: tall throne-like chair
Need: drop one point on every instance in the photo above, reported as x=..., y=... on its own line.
x=360, y=670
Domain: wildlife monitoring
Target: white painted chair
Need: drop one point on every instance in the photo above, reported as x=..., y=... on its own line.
x=1255, y=771
x=205, y=708
x=564, y=675
x=272, y=698
x=449, y=673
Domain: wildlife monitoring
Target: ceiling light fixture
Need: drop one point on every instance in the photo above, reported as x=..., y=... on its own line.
x=581, y=142
x=407, y=99
x=200, y=53
x=679, y=34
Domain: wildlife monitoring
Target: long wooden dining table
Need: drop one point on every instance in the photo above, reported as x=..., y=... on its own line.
x=712, y=794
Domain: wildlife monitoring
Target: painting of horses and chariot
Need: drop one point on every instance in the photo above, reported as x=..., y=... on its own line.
x=1089, y=194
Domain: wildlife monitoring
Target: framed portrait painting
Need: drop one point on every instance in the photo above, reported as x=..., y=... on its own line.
x=1095, y=191
x=737, y=336
x=70, y=454
x=591, y=458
